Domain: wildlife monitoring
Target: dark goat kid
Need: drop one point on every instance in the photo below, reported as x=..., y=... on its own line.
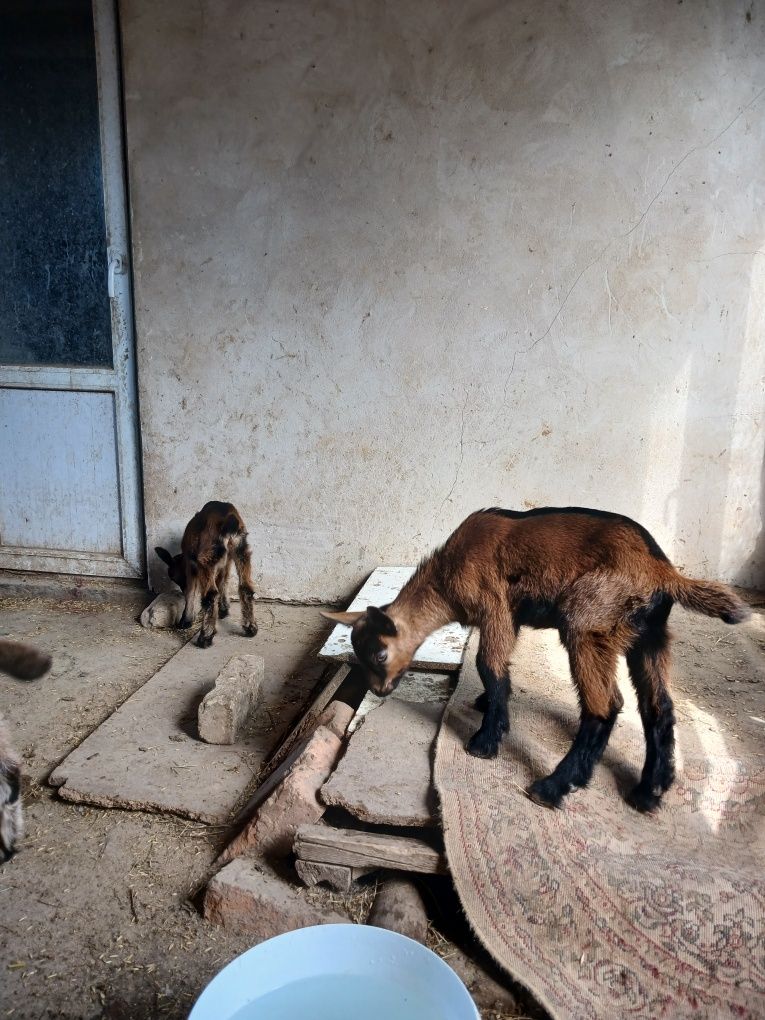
x=213, y=538
x=598, y=578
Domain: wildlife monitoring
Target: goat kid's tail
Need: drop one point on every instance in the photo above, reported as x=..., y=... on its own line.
x=23, y=661
x=709, y=598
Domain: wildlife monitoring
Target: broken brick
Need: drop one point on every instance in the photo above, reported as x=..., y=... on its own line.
x=245, y=896
x=336, y=717
x=271, y=832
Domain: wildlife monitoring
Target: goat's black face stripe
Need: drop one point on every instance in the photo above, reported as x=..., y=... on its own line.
x=366, y=648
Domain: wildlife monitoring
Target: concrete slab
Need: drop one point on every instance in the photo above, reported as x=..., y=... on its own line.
x=443, y=650
x=147, y=755
x=412, y=687
x=385, y=775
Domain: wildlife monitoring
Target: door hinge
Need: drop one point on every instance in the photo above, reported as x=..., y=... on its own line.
x=117, y=264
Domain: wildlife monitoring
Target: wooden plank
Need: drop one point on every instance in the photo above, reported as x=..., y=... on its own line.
x=306, y=721
x=339, y=876
x=353, y=848
x=443, y=650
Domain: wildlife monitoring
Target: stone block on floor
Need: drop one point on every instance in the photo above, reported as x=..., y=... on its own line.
x=224, y=711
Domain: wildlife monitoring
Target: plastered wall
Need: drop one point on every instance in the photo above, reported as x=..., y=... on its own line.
x=397, y=261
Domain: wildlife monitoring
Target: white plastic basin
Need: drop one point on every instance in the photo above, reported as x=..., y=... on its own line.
x=336, y=972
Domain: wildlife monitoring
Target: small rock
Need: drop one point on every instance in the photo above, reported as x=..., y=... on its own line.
x=165, y=611
x=225, y=710
x=338, y=876
x=398, y=907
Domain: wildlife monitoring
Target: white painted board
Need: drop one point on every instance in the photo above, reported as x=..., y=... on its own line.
x=443, y=650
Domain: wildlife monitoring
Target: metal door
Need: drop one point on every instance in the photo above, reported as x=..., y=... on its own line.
x=69, y=452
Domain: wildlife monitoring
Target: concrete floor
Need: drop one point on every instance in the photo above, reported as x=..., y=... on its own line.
x=97, y=912
x=96, y=918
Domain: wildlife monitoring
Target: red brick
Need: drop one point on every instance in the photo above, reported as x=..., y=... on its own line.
x=245, y=896
x=293, y=803
x=336, y=717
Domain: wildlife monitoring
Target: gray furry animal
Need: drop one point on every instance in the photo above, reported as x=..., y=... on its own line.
x=24, y=663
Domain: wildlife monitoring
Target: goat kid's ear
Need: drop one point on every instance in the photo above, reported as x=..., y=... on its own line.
x=381, y=622
x=345, y=618
x=164, y=555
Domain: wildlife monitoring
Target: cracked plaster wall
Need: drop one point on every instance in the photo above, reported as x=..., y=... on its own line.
x=397, y=261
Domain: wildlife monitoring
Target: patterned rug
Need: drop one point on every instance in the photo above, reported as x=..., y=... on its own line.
x=599, y=911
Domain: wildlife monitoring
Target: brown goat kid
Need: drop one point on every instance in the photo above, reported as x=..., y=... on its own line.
x=599, y=578
x=213, y=538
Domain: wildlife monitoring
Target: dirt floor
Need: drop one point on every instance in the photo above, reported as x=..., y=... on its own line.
x=98, y=912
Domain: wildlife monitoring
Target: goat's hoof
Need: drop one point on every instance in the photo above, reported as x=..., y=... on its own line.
x=643, y=800
x=204, y=641
x=481, y=703
x=223, y=611
x=483, y=745
x=546, y=792
x=250, y=630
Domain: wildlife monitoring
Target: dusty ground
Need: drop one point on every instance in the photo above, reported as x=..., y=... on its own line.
x=97, y=913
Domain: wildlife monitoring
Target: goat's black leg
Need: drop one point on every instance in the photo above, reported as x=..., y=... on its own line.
x=246, y=588
x=648, y=662
x=492, y=663
x=485, y=743
x=209, y=618
x=481, y=703
x=221, y=582
x=576, y=768
x=593, y=670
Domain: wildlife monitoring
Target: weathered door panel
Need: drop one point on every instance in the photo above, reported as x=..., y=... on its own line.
x=69, y=452
x=38, y=460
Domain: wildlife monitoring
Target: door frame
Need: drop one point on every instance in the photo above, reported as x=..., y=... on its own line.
x=120, y=380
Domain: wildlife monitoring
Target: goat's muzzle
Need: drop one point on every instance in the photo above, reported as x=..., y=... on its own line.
x=386, y=687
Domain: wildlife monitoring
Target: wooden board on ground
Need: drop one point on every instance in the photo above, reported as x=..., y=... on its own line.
x=147, y=755
x=308, y=720
x=443, y=650
x=324, y=844
x=385, y=776
x=338, y=876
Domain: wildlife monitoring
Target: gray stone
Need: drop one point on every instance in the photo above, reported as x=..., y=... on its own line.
x=337, y=876
x=225, y=710
x=165, y=611
x=398, y=907
x=385, y=775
